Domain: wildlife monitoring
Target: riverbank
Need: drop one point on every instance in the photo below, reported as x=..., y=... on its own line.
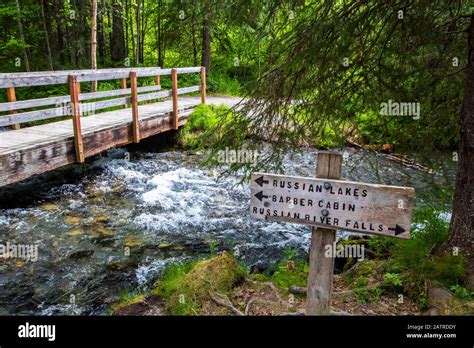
x=222, y=286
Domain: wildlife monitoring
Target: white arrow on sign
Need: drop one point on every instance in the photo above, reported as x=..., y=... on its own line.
x=344, y=205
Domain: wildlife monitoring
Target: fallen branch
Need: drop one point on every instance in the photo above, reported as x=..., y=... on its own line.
x=271, y=286
x=302, y=290
x=224, y=301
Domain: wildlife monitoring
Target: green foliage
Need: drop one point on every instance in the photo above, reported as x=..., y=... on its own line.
x=388, y=59
x=284, y=277
x=462, y=292
x=420, y=259
x=368, y=296
x=381, y=245
x=127, y=298
x=187, y=288
x=194, y=135
x=392, y=281
x=361, y=282
x=223, y=84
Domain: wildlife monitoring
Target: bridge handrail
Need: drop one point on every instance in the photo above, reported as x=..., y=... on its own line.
x=44, y=78
x=74, y=78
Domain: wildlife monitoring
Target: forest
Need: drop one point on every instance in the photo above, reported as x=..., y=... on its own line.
x=387, y=84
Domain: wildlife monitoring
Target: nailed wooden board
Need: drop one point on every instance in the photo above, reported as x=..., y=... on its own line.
x=350, y=206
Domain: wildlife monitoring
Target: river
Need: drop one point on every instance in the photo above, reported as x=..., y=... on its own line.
x=113, y=224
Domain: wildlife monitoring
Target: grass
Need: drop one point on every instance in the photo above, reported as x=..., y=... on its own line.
x=128, y=298
x=420, y=259
x=222, y=84
x=285, y=276
x=187, y=288
x=203, y=118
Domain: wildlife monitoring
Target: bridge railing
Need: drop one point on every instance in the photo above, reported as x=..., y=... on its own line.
x=73, y=104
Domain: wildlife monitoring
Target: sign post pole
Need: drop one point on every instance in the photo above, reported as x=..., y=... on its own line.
x=321, y=268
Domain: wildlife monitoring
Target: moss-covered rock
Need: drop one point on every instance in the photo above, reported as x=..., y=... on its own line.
x=189, y=292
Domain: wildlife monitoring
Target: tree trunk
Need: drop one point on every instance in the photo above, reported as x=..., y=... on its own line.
x=58, y=6
x=132, y=37
x=462, y=221
x=193, y=34
x=22, y=37
x=158, y=33
x=94, y=42
x=206, y=45
x=117, y=46
x=137, y=15
x=46, y=32
x=144, y=25
x=100, y=34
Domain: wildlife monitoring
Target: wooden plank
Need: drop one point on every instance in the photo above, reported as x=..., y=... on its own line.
x=25, y=104
x=33, y=116
x=91, y=108
x=52, y=78
x=157, y=95
x=350, y=206
x=74, y=88
x=136, y=125
x=174, y=89
x=61, y=77
x=31, y=103
x=203, y=85
x=189, y=89
x=193, y=69
x=32, y=74
x=321, y=268
x=11, y=96
x=158, y=80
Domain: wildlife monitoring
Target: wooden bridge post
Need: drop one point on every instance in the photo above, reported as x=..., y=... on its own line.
x=174, y=91
x=74, y=90
x=12, y=98
x=203, y=85
x=136, y=122
x=321, y=267
x=157, y=80
x=123, y=85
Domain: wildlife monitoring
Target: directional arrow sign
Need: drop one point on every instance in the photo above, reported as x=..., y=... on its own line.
x=261, y=181
x=397, y=230
x=343, y=205
x=260, y=195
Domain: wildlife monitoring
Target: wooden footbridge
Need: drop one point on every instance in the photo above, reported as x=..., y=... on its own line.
x=138, y=113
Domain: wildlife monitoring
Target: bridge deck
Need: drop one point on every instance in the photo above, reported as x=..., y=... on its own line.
x=34, y=150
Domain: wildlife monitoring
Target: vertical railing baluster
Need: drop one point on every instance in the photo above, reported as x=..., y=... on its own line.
x=174, y=93
x=135, y=124
x=75, y=90
x=123, y=85
x=11, y=96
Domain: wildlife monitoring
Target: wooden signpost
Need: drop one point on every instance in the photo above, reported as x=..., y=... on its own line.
x=329, y=204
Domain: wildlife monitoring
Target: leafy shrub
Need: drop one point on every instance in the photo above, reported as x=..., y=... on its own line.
x=202, y=119
x=420, y=258
x=392, y=281
x=462, y=292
